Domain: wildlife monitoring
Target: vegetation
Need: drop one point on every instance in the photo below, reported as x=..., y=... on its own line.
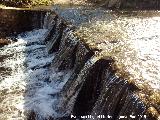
x=141, y=4
x=25, y=3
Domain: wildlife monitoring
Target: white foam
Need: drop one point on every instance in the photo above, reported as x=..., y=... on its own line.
x=31, y=85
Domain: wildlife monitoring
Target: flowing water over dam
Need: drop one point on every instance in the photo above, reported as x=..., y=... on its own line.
x=106, y=68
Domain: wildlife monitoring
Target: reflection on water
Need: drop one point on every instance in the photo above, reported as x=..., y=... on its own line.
x=132, y=40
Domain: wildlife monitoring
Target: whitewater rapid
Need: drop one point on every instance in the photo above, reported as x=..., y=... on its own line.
x=31, y=85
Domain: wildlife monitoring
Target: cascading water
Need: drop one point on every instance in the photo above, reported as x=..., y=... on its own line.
x=29, y=86
x=51, y=74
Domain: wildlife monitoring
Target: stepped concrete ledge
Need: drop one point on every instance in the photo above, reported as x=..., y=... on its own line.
x=123, y=37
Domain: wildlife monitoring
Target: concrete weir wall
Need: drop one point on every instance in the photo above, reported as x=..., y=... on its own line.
x=93, y=87
x=14, y=21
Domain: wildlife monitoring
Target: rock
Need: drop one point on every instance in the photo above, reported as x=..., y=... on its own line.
x=4, y=42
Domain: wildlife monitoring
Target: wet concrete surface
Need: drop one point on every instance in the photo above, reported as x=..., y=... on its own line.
x=16, y=20
x=131, y=38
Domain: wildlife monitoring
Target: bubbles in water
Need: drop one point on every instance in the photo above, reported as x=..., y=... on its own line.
x=31, y=86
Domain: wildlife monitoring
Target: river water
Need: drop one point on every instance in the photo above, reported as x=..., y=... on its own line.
x=28, y=83
x=28, y=86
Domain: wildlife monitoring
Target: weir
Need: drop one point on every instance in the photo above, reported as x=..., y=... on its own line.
x=100, y=69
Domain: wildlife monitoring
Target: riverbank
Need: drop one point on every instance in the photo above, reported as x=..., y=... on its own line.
x=107, y=4
x=25, y=3
x=39, y=3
